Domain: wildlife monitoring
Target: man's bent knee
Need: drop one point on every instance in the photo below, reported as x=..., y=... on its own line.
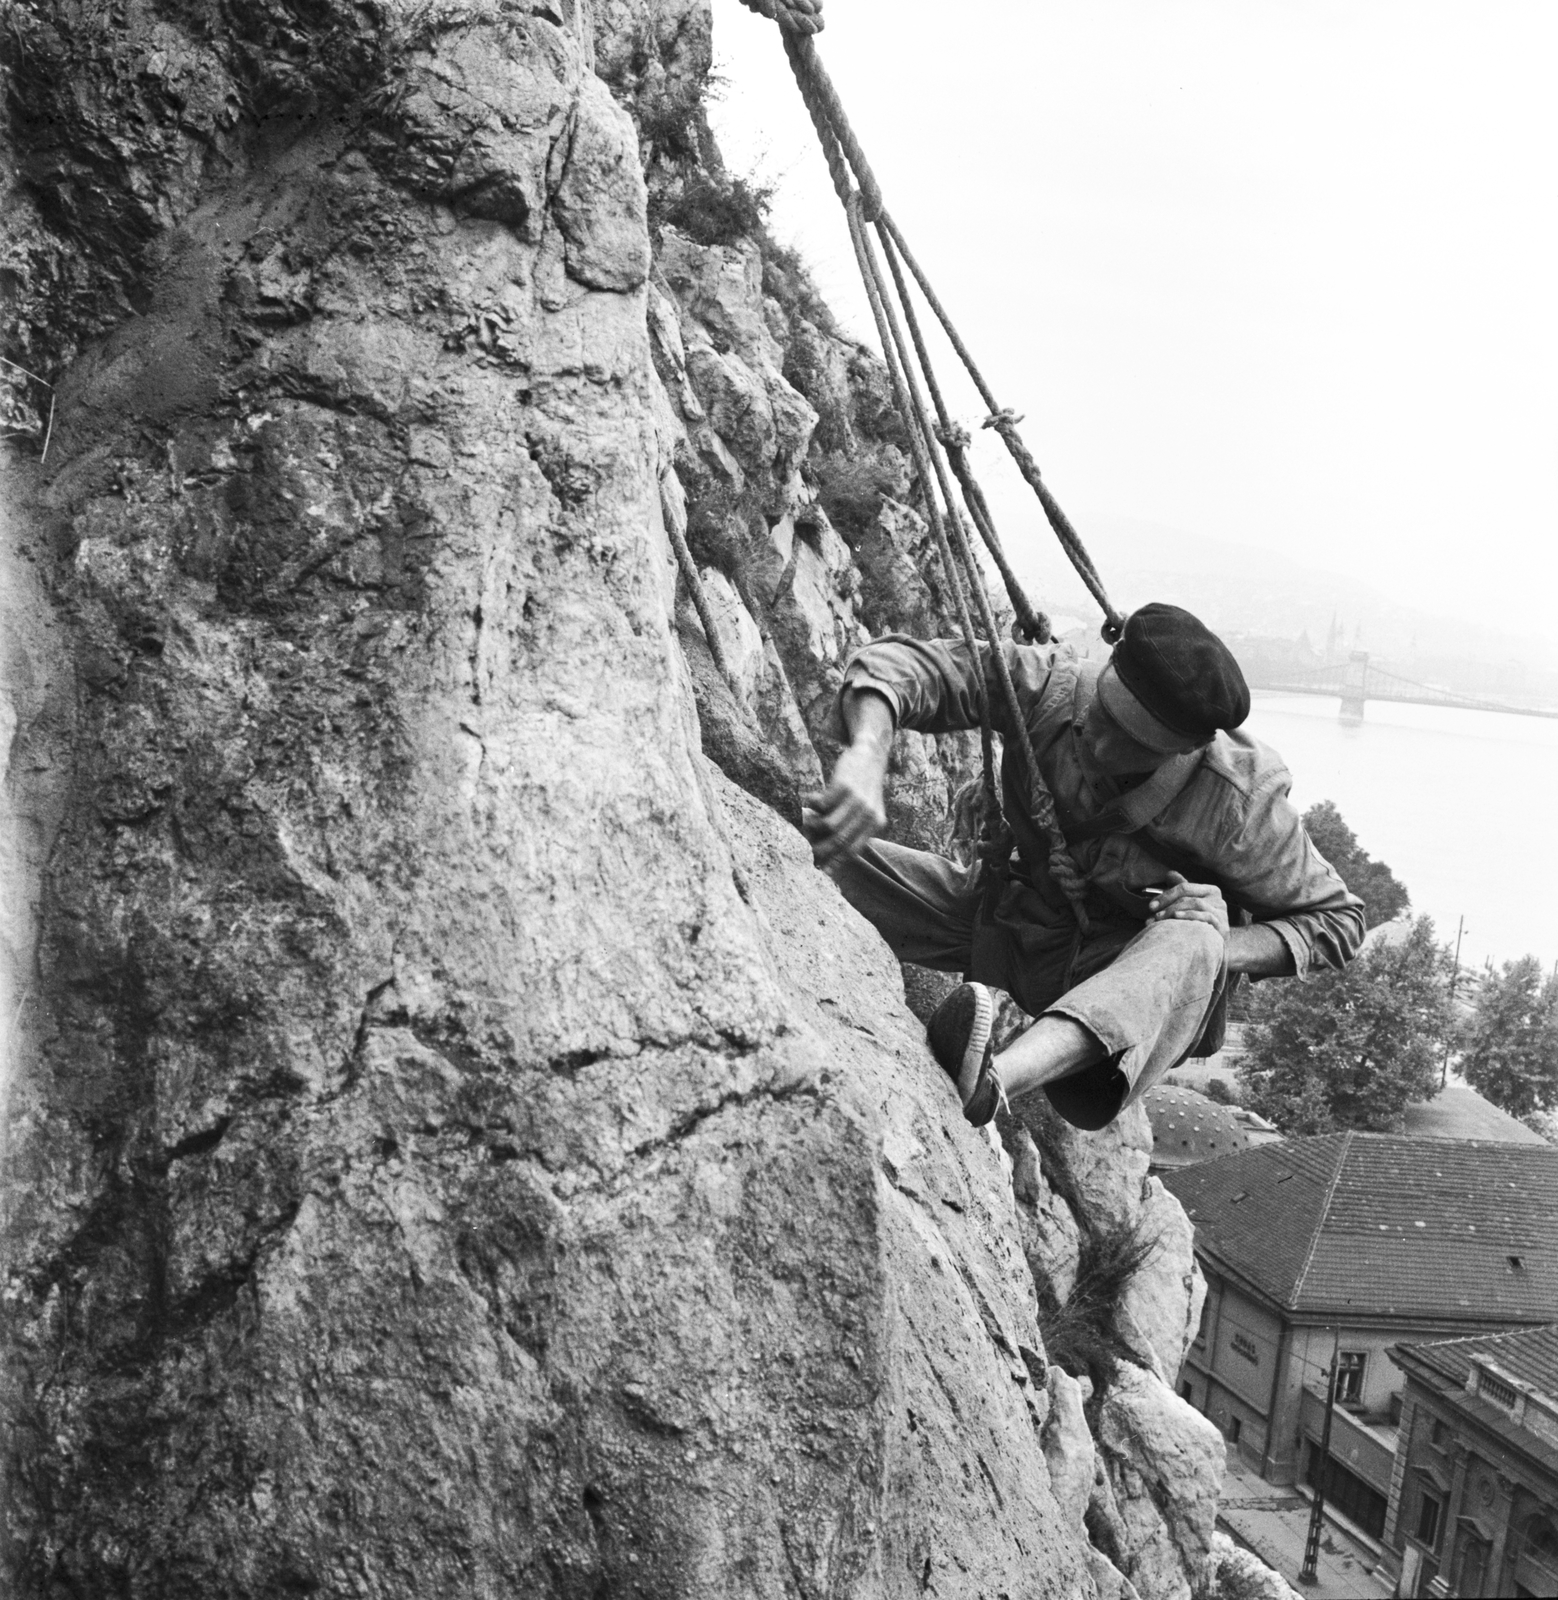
x=1196, y=943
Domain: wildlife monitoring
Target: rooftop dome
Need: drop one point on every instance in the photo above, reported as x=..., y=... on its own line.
x=1187, y=1127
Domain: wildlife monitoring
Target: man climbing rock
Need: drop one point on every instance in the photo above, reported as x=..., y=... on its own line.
x=1198, y=867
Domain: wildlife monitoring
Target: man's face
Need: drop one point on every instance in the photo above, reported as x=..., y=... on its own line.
x=1107, y=747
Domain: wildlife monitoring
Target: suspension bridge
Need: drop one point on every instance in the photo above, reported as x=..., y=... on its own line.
x=1357, y=680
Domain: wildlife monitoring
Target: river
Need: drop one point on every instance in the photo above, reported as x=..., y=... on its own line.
x=1462, y=806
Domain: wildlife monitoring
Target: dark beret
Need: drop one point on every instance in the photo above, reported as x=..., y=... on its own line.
x=1181, y=671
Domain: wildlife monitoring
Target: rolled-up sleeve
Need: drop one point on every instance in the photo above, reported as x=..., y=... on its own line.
x=933, y=684
x=1270, y=863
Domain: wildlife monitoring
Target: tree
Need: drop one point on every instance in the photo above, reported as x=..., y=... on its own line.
x=1349, y=1049
x=1509, y=1044
x=1383, y=894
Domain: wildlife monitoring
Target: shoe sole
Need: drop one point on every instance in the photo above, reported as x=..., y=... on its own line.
x=978, y=1043
x=988, y=1098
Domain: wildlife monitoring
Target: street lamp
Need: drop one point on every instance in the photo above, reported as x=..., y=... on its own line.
x=1455, y=971
x=1309, y=1572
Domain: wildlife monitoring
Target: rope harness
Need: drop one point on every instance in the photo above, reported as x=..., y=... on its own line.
x=938, y=446
x=941, y=444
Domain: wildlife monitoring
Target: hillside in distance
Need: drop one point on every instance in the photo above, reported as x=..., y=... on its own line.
x=1273, y=604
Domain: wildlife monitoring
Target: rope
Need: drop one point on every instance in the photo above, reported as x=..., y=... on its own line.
x=827, y=117
x=881, y=313
x=1040, y=802
x=700, y=600
x=1005, y=421
x=955, y=440
x=833, y=129
x=794, y=16
x=839, y=146
x=994, y=837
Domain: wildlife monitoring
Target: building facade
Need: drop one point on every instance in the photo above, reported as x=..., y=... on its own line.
x=1474, y=1499
x=1353, y=1244
x=1259, y=1373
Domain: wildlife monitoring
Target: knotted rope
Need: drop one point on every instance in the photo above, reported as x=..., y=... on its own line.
x=794, y=16
x=926, y=440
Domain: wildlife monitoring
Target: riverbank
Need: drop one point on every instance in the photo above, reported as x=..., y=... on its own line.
x=1454, y=802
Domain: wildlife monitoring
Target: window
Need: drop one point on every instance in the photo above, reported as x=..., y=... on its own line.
x=1438, y=1435
x=1542, y=1541
x=1349, y=1376
x=1474, y=1564
x=1235, y=1428
x=1348, y=1493
x=1536, y=1559
x=1206, y=1309
x=1427, y=1530
x=1187, y=1390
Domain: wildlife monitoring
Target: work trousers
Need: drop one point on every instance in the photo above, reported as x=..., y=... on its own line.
x=1144, y=990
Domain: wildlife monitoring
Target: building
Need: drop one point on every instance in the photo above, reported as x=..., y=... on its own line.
x=1355, y=1242
x=1200, y=1072
x=1474, y=1503
x=1459, y=1112
x=1188, y=1127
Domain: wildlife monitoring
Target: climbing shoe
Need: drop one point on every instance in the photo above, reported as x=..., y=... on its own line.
x=961, y=1032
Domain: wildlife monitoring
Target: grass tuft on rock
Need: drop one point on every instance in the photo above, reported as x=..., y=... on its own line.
x=713, y=210
x=1080, y=1335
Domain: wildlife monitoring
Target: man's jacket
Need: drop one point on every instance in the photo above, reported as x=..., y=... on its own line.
x=1232, y=824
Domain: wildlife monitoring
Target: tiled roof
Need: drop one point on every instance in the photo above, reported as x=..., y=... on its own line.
x=1382, y=1223
x=1187, y=1127
x=1529, y=1355
x=1459, y=1112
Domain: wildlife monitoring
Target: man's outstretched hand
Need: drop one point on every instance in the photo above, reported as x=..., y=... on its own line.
x=852, y=809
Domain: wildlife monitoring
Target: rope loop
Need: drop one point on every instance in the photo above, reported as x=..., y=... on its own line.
x=1004, y=418
x=953, y=435
x=794, y=16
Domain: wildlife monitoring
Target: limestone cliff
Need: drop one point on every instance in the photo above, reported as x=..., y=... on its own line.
x=455, y=1144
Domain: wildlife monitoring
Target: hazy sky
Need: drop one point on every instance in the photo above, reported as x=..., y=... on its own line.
x=1274, y=273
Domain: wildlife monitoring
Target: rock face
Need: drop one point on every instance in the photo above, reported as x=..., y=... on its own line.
x=1165, y=1465
x=1161, y=1307
x=455, y=1142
